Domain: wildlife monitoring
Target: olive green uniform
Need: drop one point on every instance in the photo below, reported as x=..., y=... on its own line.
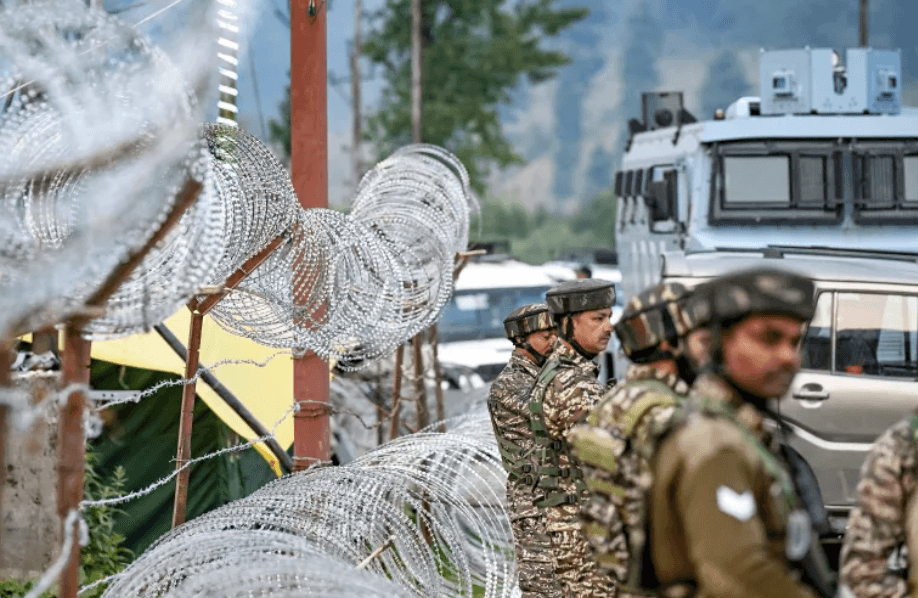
x=718, y=507
x=646, y=400
x=508, y=403
x=565, y=393
x=886, y=517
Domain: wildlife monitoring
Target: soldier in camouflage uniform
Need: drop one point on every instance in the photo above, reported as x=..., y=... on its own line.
x=886, y=517
x=566, y=390
x=725, y=519
x=532, y=332
x=651, y=332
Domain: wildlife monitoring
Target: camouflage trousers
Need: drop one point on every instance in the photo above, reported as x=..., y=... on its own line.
x=535, y=565
x=575, y=568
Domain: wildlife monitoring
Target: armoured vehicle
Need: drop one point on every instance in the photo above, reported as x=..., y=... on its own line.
x=826, y=155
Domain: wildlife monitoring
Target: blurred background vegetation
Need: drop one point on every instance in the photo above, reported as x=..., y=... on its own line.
x=543, y=236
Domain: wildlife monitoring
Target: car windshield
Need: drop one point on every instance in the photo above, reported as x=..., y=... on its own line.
x=480, y=313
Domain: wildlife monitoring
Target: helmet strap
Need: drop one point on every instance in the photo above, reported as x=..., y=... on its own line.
x=568, y=334
x=536, y=356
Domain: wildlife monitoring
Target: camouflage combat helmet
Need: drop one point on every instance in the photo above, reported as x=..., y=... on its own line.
x=759, y=290
x=651, y=317
x=526, y=320
x=583, y=294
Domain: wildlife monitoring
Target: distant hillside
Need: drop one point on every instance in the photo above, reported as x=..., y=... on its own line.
x=572, y=129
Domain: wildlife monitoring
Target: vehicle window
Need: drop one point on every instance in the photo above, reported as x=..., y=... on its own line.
x=877, y=335
x=813, y=179
x=879, y=182
x=478, y=314
x=756, y=179
x=911, y=178
x=816, y=350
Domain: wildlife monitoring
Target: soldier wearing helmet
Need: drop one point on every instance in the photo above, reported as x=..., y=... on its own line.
x=532, y=332
x=566, y=390
x=725, y=516
x=652, y=333
x=886, y=517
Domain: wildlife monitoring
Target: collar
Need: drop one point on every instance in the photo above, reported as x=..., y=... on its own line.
x=640, y=371
x=711, y=393
x=522, y=361
x=565, y=352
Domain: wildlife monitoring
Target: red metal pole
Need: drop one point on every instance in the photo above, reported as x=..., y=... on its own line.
x=72, y=447
x=186, y=420
x=309, y=165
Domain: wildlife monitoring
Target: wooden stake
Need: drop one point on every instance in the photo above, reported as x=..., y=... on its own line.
x=186, y=420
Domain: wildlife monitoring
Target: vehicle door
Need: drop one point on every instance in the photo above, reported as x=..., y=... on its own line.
x=858, y=377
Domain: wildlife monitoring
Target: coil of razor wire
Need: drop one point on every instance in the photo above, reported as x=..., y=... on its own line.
x=438, y=496
x=352, y=287
x=96, y=137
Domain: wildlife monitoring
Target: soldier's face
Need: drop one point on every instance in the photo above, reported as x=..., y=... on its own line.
x=542, y=341
x=762, y=354
x=593, y=329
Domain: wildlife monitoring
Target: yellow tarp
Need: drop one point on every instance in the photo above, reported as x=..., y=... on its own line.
x=266, y=391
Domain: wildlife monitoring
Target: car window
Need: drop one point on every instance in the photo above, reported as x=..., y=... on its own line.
x=480, y=313
x=816, y=352
x=877, y=334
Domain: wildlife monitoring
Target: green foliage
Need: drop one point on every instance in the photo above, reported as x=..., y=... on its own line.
x=475, y=52
x=104, y=555
x=13, y=588
x=542, y=236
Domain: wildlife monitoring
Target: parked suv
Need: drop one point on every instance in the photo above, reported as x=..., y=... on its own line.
x=859, y=370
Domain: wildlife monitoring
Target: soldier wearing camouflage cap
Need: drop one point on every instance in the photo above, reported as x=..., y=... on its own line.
x=566, y=390
x=725, y=516
x=885, y=518
x=651, y=331
x=532, y=332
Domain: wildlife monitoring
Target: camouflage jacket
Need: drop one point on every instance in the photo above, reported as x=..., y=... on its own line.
x=508, y=403
x=614, y=512
x=878, y=525
x=721, y=503
x=566, y=391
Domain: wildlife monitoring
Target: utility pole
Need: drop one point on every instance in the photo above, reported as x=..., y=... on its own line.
x=417, y=90
x=863, y=22
x=309, y=163
x=416, y=86
x=356, y=52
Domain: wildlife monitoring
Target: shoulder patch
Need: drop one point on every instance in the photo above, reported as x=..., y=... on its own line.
x=739, y=506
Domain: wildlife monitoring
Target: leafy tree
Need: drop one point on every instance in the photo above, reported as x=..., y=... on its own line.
x=475, y=52
x=598, y=216
x=543, y=236
x=499, y=221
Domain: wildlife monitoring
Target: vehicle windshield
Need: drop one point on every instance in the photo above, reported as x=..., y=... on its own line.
x=479, y=313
